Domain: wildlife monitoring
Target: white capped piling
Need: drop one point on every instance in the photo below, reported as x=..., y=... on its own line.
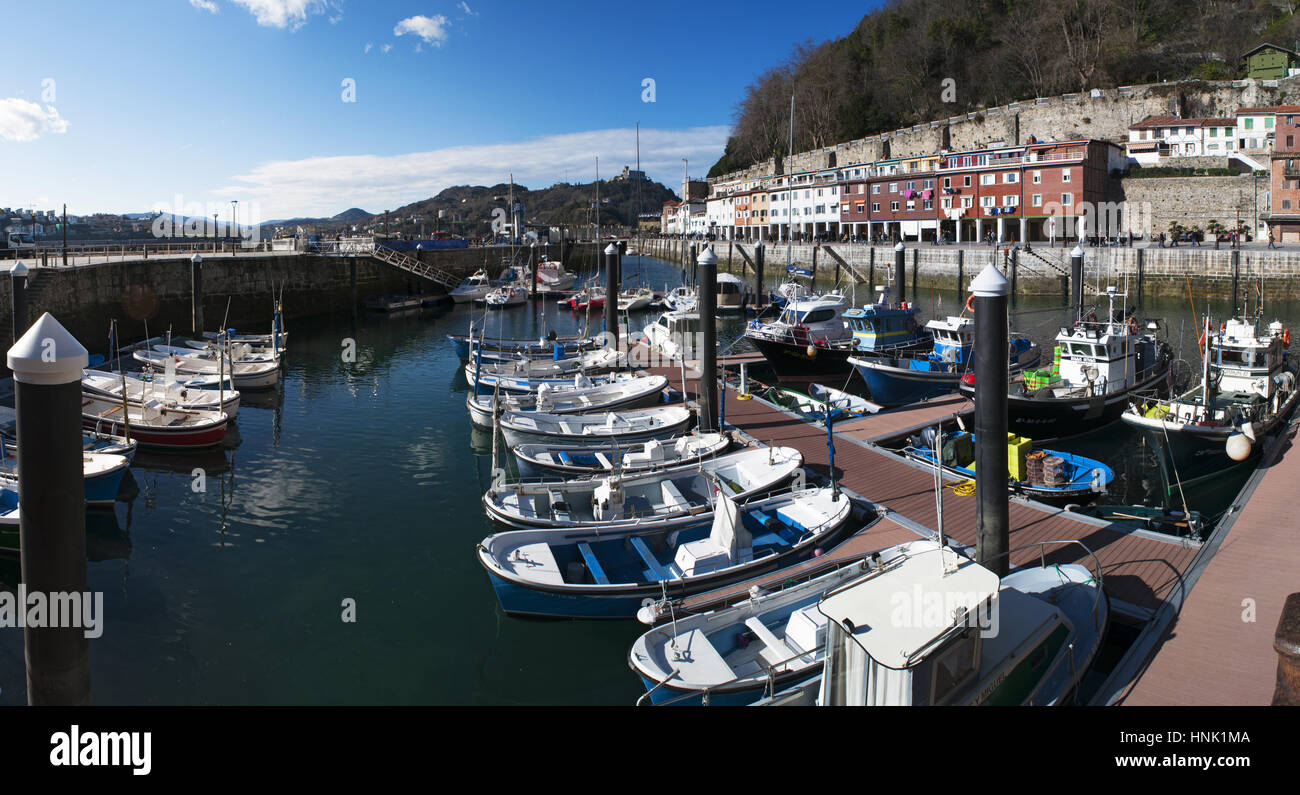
x=1076, y=281
x=900, y=272
x=47, y=362
x=991, y=290
x=707, y=300
x=613, y=278
x=18, y=277
x=196, y=294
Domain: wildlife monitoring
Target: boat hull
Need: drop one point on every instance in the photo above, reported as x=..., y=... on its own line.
x=164, y=438
x=515, y=437
x=649, y=399
x=792, y=363
x=1055, y=418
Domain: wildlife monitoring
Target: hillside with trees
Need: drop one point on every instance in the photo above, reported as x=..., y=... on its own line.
x=890, y=71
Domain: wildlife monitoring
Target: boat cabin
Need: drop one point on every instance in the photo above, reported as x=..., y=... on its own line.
x=881, y=328
x=1247, y=363
x=934, y=629
x=954, y=338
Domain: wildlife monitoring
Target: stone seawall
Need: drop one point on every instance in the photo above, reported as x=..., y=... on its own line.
x=1150, y=271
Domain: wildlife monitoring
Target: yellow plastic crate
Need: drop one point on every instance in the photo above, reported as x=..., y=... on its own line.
x=1018, y=450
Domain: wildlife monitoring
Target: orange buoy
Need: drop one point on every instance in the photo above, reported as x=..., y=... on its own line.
x=970, y=298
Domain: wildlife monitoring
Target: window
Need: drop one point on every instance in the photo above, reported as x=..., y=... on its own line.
x=1065, y=175
x=947, y=182
x=947, y=204
x=967, y=201
x=987, y=201
x=965, y=181
x=1286, y=204
x=988, y=179
x=928, y=184
x=1067, y=199
x=893, y=206
x=1250, y=124
x=875, y=189
x=893, y=187
x=1010, y=201
x=1214, y=132
x=1268, y=123
x=1037, y=200
x=1010, y=177
x=1037, y=177
x=1290, y=141
x=927, y=204
x=875, y=207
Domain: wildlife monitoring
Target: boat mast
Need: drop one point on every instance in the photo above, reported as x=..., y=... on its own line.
x=789, y=191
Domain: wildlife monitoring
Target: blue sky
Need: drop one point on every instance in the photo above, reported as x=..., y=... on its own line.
x=131, y=105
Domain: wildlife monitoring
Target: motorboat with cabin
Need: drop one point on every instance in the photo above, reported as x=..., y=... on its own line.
x=1097, y=367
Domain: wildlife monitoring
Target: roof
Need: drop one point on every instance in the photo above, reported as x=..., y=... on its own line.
x=1176, y=121
x=1272, y=109
x=892, y=615
x=1256, y=49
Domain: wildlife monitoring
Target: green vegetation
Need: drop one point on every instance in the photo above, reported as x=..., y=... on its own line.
x=890, y=71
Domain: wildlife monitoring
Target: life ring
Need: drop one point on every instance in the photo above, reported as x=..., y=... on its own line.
x=1091, y=317
x=970, y=298
x=1286, y=337
x=1132, y=325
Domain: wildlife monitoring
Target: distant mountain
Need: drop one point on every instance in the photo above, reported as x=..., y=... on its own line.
x=351, y=216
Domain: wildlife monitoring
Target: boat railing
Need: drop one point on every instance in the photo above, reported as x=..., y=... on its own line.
x=773, y=670
x=1231, y=414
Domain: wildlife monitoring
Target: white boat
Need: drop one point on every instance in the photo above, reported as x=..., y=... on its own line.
x=625, y=427
x=256, y=340
x=580, y=397
x=680, y=299
x=170, y=392
x=592, y=573
x=153, y=423
x=653, y=500
x=734, y=655
x=843, y=404
x=512, y=366
x=506, y=295
x=474, y=288
x=245, y=375
x=732, y=293
x=935, y=628
x=550, y=460
x=208, y=353
x=552, y=277
x=486, y=381
x=675, y=334
x=635, y=299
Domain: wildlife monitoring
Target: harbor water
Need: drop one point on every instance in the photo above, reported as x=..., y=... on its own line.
x=325, y=554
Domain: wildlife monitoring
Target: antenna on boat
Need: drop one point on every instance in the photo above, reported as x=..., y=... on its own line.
x=938, y=482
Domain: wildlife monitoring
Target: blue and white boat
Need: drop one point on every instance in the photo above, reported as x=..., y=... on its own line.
x=1049, y=476
x=737, y=654
x=531, y=349
x=896, y=380
x=579, y=396
x=91, y=441
x=486, y=382
x=9, y=516
x=549, y=460
x=586, y=573
x=654, y=500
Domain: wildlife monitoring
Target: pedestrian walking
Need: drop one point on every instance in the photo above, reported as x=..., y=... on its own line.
x=1270, y=239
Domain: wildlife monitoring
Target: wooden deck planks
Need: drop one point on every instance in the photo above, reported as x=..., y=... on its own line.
x=1210, y=654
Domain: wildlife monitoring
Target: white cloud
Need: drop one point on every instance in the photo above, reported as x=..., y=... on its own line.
x=327, y=185
x=432, y=29
x=384, y=49
x=205, y=5
x=465, y=7
x=368, y=46
x=21, y=120
x=290, y=14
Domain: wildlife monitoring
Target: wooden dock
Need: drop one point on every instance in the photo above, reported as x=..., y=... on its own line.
x=1217, y=650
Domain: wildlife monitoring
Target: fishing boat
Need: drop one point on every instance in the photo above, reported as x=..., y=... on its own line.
x=550, y=460
x=579, y=397
x=840, y=404
x=788, y=289
x=244, y=375
x=732, y=293
x=813, y=337
x=643, y=501
x=1190, y=524
x=208, y=353
x=531, y=349
x=101, y=472
x=1097, y=367
x=635, y=299
x=153, y=423
x=681, y=299
x=587, y=573
x=474, y=288
x=1050, y=476
x=959, y=635
x=1247, y=389
x=623, y=427
x=907, y=378
x=675, y=334
x=736, y=654
x=138, y=389
x=552, y=277
x=506, y=296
